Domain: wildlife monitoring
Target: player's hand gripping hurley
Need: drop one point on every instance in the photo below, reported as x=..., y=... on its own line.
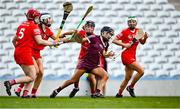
x=68, y=7
x=77, y=38
x=139, y=35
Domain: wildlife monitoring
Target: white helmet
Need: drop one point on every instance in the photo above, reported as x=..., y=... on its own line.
x=46, y=19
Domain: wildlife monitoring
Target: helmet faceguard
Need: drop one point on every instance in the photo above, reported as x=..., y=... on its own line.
x=132, y=22
x=46, y=19
x=89, y=27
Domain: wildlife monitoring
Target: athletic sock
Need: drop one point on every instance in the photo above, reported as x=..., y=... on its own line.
x=25, y=93
x=19, y=87
x=131, y=86
x=93, y=91
x=98, y=91
x=59, y=89
x=33, y=92
x=120, y=92
x=12, y=82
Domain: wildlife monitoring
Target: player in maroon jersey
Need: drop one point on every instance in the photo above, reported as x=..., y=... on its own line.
x=87, y=30
x=98, y=46
x=128, y=55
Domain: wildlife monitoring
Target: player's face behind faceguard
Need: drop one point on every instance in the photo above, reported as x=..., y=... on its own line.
x=89, y=27
x=33, y=14
x=132, y=22
x=107, y=33
x=46, y=19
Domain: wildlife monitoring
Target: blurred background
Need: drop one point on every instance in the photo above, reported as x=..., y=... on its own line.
x=160, y=56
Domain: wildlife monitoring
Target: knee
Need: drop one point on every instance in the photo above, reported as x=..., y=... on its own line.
x=141, y=71
x=32, y=78
x=106, y=77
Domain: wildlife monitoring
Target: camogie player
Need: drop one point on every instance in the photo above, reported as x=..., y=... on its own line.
x=45, y=20
x=128, y=56
x=87, y=30
x=98, y=46
x=27, y=34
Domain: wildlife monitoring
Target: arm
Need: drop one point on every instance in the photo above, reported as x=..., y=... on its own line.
x=119, y=42
x=143, y=40
x=69, y=33
x=14, y=41
x=40, y=41
x=108, y=54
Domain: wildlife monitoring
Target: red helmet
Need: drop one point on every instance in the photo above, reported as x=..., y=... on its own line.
x=32, y=13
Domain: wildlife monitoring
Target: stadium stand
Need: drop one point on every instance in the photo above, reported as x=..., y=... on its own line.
x=160, y=56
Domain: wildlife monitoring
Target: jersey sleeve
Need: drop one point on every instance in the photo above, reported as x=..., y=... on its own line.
x=120, y=36
x=36, y=30
x=49, y=32
x=82, y=33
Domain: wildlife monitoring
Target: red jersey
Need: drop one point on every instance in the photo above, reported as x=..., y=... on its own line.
x=25, y=34
x=24, y=43
x=84, y=45
x=45, y=36
x=129, y=54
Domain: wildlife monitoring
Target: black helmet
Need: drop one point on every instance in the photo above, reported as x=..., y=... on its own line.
x=108, y=29
x=90, y=22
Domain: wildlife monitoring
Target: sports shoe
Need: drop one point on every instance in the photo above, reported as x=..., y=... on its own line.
x=99, y=95
x=93, y=96
x=119, y=96
x=54, y=93
x=33, y=96
x=27, y=96
x=131, y=91
x=73, y=92
x=8, y=87
x=17, y=93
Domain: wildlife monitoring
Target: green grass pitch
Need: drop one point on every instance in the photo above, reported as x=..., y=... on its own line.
x=87, y=102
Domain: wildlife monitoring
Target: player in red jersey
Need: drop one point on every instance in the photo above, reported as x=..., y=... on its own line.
x=45, y=22
x=98, y=46
x=88, y=29
x=27, y=34
x=128, y=55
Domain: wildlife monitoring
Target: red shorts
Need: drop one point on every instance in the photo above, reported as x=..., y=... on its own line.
x=36, y=54
x=127, y=58
x=23, y=56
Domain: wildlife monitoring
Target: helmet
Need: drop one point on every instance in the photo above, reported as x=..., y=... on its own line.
x=90, y=23
x=32, y=14
x=132, y=18
x=46, y=19
x=108, y=29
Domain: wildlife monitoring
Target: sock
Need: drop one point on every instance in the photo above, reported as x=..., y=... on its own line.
x=59, y=89
x=98, y=91
x=25, y=93
x=33, y=92
x=131, y=86
x=20, y=87
x=120, y=92
x=12, y=82
x=92, y=92
x=76, y=85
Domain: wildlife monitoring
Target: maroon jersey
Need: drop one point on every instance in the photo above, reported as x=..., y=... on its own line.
x=94, y=51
